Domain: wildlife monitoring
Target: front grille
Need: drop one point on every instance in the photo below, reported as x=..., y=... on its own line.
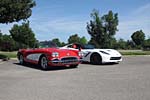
x=69, y=60
x=115, y=58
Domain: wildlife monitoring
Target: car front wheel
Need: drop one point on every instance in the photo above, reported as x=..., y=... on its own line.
x=96, y=59
x=44, y=63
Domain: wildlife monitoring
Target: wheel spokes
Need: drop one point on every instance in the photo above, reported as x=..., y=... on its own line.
x=44, y=62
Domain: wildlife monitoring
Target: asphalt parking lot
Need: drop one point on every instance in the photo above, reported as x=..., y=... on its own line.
x=129, y=80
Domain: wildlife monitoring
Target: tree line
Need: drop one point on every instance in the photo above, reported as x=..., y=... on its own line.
x=102, y=29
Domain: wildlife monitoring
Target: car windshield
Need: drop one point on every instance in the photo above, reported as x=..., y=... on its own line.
x=88, y=46
x=47, y=44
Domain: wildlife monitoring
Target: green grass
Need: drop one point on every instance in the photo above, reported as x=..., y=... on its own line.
x=8, y=54
x=134, y=52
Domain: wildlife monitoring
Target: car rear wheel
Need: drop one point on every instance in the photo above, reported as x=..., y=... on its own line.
x=96, y=59
x=43, y=63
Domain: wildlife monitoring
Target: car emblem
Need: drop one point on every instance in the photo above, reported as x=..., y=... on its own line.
x=68, y=54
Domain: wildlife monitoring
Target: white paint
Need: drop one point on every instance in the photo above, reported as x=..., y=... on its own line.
x=34, y=56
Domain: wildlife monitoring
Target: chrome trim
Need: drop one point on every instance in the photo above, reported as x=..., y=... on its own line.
x=65, y=61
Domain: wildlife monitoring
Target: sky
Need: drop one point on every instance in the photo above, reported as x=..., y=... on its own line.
x=62, y=18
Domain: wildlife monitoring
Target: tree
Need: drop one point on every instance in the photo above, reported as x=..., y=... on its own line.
x=121, y=44
x=102, y=29
x=138, y=38
x=15, y=10
x=130, y=44
x=7, y=43
x=0, y=40
x=23, y=34
x=146, y=44
x=113, y=43
x=1, y=37
x=83, y=40
x=74, y=39
x=57, y=41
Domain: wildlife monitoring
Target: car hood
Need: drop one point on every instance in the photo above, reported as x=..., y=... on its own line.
x=63, y=52
x=111, y=52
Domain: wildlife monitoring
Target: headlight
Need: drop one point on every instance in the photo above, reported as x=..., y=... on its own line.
x=80, y=54
x=55, y=54
x=104, y=52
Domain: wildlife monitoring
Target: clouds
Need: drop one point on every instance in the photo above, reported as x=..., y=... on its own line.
x=143, y=9
x=64, y=26
x=135, y=20
x=60, y=28
x=60, y=19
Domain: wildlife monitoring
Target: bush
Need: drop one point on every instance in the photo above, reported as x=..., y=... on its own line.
x=4, y=57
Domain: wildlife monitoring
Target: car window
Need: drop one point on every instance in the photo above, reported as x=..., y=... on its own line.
x=88, y=46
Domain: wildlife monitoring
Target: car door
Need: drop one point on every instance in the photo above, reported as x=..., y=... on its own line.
x=32, y=55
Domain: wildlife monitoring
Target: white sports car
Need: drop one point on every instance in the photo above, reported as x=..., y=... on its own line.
x=96, y=56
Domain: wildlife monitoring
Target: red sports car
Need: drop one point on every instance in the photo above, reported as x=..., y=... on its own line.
x=48, y=54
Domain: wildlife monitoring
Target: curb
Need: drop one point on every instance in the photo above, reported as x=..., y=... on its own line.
x=4, y=59
x=13, y=58
x=7, y=59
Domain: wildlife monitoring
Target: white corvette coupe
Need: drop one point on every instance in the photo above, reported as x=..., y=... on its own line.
x=96, y=56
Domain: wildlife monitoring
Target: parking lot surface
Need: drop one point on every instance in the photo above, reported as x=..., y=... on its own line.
x=129, y=80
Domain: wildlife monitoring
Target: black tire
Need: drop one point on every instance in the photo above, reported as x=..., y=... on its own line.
x=43, y=63
x=95, y=59
x=21, y=59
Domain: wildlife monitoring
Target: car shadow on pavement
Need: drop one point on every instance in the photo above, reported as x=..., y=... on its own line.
x=104, y=64
x=51, y=68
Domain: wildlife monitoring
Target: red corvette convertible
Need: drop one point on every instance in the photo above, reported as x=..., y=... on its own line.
x=48, y=54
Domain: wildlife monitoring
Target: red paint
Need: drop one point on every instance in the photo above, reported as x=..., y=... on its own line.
x=48, y=52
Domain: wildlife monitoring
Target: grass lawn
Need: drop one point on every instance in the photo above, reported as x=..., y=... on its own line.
x=8, y=54
x=134, y=52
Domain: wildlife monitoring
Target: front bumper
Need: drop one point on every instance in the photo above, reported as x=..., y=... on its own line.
x=112, y=59
x=64, y=61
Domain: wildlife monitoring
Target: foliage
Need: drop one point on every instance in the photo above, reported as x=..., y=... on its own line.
x=76, y=39
x=138, y=37
x=1, y=35
x=130, y=45
x=7, y=43
x=83, y=40
x=57, y=41
x=102, y=29
x=147, y=42
x=2, y=56
x=23, y=34
x=15, y=10
x=146, y=45
x=121, y=44
x=113, y=43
